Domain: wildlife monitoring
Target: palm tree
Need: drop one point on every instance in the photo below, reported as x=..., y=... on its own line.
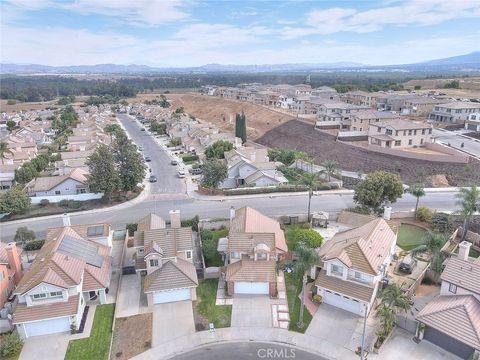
x=3, y=150
x=311, y=181
x=395, y=298
x=306, y=258
x=330, y=168
x=469, y=202
x=418, y=191
x=433, y=242
x=387, y=317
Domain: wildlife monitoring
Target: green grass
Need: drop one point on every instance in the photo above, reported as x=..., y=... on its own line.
x=289, y=231
x=97, y=345
x=474, y=253
x=219, y=315
x=294, y=287
x=409, y=236
x=216, y=260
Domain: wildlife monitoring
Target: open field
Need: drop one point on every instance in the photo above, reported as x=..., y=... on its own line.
x=469, y=86
x=222, y=112
x=301, y=136
x=26, y=106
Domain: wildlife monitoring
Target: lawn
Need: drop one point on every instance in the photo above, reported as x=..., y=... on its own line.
x=205, y=308
x=294, y=288
x=213, y=258
x=474, y=253
x=409, y=236
x=97, y=345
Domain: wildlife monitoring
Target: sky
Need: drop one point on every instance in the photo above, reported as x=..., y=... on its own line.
x=182, y=33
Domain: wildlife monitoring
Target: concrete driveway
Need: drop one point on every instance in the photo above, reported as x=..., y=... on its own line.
x=171, y=321
x=252, y=310
x=52, y=347
x=129, y=297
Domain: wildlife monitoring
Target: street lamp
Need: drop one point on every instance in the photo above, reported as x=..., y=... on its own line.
x=363, y=355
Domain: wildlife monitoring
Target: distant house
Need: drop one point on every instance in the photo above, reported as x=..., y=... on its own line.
x=454, y=112
x=473, y=122
x=452, y=319
x=333, y=114
x=10, y=270
x=7, y=176
x=360, y=120
x=352, y=264
x=69, y=272
x=399, y=134
x=73, y=183
x=255, y=243
x=165, y=259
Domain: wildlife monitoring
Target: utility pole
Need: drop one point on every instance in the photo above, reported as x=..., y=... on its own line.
x=362, y=350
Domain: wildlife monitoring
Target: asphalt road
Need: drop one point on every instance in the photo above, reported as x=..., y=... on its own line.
x=455, y=141
x=247, y=351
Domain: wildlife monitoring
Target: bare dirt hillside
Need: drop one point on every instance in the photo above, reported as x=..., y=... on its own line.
x=222, y=112
x=469, y=86
x=321, y=146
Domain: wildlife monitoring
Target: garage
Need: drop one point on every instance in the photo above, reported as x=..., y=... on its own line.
x=168, y=296
x=242, y=287
x=45, y=327
x=448, y=343
x=342, y=302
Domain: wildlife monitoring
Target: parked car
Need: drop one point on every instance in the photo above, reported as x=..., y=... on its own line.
x=140, y=148
x=174, y=162
x=143, y=129
x=196, y=171
x=181, y=174
x=147, y=159
x=408, y=264
x=152, y=178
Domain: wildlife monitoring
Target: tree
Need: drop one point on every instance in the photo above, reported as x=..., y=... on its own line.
x=469, y=202
x=158, y=128
x=241, y=127
x=129, y=162
x=378, y=187
x=306, y=258
x=309, y=237
x=14, y=201
x=214, y=173
x=330, y=168
x=311, y=181
x=26, y=173
x=4, y=150
x=433, y=243
x=441, y=223
x=11, y=125
x=23, y=236
x=103, y=172
x=418, y=191
x=395, y=298
x=218, y=149
x=112, y=129
x=285, y=156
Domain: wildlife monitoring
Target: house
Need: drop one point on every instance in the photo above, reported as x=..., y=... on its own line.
x=399, y=134
x=70, y=271
x=419, y=105
x=249, y=166
x=362, y=98
x=165, y=259
x=360, y=120
x=255, y=244
x=473, y=122
x=7, y=176
x=454, y=112
x=64, y=167
x=352, y=265
x=71, y=184
x=333, y=114
x=452, y=319
x=10, y=270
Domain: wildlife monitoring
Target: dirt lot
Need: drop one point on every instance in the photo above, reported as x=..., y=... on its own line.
x=222, y=113
x=301, y=136
x=469, y=86
x=132, y=336
x=25, y=106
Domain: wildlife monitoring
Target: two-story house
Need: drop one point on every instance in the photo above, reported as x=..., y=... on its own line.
x=360, y=120
x=454, y=112
x=70, y=270
x=10, y=270
x=452, y=319
x=165, y=259
x=255, y=243
x=352, y=264
x=399, y=133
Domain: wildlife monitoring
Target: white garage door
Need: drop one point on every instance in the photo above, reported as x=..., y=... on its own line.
x=343, y=302
x=251, y=287
x=171, y=296
x=45, y=327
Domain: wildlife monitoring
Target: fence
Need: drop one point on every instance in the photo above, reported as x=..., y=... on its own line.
x=58, y=198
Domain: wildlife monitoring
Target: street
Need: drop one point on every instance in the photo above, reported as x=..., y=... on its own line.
x=471, y=146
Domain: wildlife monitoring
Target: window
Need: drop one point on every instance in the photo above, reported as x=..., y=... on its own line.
x=55, y=294
x=358, y=275
x=452, y=288
x=188, y=254
x=337, y=269
x=409, y=132
x=2, y=276
x=39, y=296
x=421, y=141
x=414, y=132
x=410, y=142
x=423, y=131
x=429, y=131
x=389, y=132
x=262, y=256
x=379, y=129
x=235, y=255
x=57, y=192
x=404, y=132
x=398, y=142
x=154, y=262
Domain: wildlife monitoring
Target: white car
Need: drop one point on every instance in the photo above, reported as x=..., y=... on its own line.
x=181, y=174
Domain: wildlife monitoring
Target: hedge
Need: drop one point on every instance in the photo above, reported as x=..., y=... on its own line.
x=34, y=245
x=281, y=188
x=188, y=158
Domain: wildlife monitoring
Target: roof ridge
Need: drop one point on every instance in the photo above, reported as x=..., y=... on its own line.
x=363, y=253
x=473, y=322
x=174, y=263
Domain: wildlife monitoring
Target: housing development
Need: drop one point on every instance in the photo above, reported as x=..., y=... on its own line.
x=317, y=198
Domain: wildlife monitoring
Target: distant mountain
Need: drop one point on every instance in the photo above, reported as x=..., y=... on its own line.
x=468, y=62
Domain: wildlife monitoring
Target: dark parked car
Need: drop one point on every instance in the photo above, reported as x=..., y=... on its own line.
x=408, y=264
x=152, y=179
x=143, y=129
x=147, y=159
x=196, y=171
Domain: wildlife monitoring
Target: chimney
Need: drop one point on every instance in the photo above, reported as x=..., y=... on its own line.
x=14, y=260
x=175, y=222
x=232, y=213
x=66, y=220
x=464, y=250
x=387, y=212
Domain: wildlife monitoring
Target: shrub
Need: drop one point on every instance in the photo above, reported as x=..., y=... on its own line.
x=274, y=189
x=306, y=226
x=192, y=222
x=209, y=248
x=131, y=228
x=310, y=237
x=11, y=345
x=206, y=234
x=44, y=202
x=63, y=203
x=34, y=245
x=74, y=204
x=11, y=102
x=424, y=214
x=317, y=298
x=441, y=223
x=359, y=210
x=189, y=158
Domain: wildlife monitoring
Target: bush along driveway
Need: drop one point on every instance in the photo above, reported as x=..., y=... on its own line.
x=97, y=346
x=205, y=310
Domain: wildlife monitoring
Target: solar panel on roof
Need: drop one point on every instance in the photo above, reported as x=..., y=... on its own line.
x=81, y=250
x=95, y=230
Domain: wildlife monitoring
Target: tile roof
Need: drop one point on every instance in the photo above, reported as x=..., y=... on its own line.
x=46, y=183
x=464, y=274
x=170, y=240
x=24, y=313
x=348, y=288
x=172, y=275
x=252, y=271
x=245, y=242
x=3, y=253
x=355, y=220
x=458, y=316
x=151, y=221
x=461, y=105
x=402, y=124
x=364, y=248
x=248, y=220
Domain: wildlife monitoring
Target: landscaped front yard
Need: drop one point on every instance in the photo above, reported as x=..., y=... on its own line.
x=97, y=345
x=410, y=236
x=132, y=336
x=294, y=287
x=205, y=310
